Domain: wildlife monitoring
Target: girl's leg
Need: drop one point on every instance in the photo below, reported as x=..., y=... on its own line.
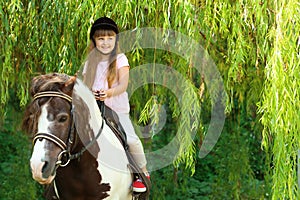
x=137, y=151
x=135, y=144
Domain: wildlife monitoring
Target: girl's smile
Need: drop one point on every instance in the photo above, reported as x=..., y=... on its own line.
x=105, y=44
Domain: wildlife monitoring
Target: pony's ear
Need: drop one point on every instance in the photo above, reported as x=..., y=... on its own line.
x=36, y=83
x=69, y=85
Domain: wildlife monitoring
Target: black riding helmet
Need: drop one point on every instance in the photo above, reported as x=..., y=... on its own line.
x=104, y=23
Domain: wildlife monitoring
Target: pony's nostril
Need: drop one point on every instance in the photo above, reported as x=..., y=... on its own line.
x=45, y=166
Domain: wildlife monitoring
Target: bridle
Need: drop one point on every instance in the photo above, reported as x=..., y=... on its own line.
x=65, y=155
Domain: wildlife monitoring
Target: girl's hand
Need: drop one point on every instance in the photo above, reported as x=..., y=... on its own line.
x=96, y=95
x=100, y=95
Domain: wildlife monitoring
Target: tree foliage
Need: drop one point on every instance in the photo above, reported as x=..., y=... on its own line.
x=279, y=104
x=254, y=44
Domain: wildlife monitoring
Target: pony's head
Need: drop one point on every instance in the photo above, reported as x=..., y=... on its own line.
x=48, y=118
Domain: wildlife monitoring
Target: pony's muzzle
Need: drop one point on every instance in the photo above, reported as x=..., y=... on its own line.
x=41, y=164
x=38, y=172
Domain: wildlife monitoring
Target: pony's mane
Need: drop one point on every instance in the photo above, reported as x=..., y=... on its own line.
x=47, y=82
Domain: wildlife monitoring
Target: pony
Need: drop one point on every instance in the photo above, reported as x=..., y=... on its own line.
x=75, y=153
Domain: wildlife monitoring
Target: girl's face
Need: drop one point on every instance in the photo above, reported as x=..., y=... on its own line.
x=105, y=43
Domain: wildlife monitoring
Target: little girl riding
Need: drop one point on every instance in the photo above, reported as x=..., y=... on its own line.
x=106, y=73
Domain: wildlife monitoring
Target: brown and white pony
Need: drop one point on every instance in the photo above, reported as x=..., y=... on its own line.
x=75, y=153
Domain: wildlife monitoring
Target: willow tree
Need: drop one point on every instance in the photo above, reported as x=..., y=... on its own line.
x=260, y=46
x=254, y=44
x=279, y=104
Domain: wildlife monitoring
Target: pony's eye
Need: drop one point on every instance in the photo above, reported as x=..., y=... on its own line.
x=62, y=118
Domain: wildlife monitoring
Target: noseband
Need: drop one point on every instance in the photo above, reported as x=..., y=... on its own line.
x=65, y=155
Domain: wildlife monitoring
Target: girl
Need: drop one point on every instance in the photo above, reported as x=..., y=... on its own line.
x=107, y=72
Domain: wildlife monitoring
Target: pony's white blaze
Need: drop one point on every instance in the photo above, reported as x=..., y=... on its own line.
x=36, y=163
x=38, y=155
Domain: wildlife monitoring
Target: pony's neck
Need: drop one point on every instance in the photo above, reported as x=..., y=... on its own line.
x=83, y=92
x=88, y=119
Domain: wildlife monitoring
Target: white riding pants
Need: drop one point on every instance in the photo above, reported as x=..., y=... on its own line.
x=135, y=145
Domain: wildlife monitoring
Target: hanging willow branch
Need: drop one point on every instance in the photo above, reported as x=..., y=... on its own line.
x=280, y=102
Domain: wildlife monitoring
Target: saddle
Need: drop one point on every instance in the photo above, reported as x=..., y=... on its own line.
x=112, y=120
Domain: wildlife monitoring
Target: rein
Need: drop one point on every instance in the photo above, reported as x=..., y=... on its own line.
x=66, y=147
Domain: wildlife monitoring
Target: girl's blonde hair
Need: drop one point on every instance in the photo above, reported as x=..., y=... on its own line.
x=94, y=57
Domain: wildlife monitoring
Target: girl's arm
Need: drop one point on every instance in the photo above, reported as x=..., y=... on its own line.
x=123, y=77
